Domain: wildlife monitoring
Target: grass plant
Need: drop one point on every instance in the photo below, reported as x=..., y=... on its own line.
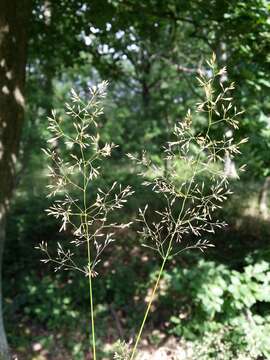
x=191, y=200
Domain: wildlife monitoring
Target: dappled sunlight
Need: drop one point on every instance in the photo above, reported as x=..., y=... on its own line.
x=19, y=98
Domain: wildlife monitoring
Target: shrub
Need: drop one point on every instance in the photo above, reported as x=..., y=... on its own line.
x=217, y=303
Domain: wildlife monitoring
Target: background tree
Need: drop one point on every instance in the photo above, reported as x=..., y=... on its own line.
x=13, y=47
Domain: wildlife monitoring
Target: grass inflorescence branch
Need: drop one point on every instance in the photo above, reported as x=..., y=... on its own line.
x=73, y=168
x=190, y=200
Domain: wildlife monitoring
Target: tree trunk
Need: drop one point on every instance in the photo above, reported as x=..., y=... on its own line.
x=230, y=170
x=4, y=352
x=14, y=15
x=263, y=198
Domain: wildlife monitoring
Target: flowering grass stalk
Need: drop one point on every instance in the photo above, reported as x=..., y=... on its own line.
x=190, y=199
x=203, y=154
x=74, y=167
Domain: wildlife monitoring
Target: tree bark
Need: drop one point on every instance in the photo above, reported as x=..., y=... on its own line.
x=14, y=15
x=263, y=198
x=230, y=170
x=4, y=351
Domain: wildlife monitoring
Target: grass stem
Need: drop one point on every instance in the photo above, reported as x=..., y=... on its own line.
x=148, y=308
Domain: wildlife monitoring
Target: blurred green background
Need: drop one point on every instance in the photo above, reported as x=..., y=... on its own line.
x=216, y=305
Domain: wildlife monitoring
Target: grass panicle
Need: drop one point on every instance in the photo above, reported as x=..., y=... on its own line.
x=191, y=201
x=74, y=166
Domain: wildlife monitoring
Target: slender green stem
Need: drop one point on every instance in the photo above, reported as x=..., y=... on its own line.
x=148, y=307
x=168, y=252
x=88, y=257
x=158, y=279
x=91, y=303
x=90, y=284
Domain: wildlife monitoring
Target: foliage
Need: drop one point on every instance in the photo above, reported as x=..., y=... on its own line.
x=222, y=303
x=46, y=304
x=151, y=52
